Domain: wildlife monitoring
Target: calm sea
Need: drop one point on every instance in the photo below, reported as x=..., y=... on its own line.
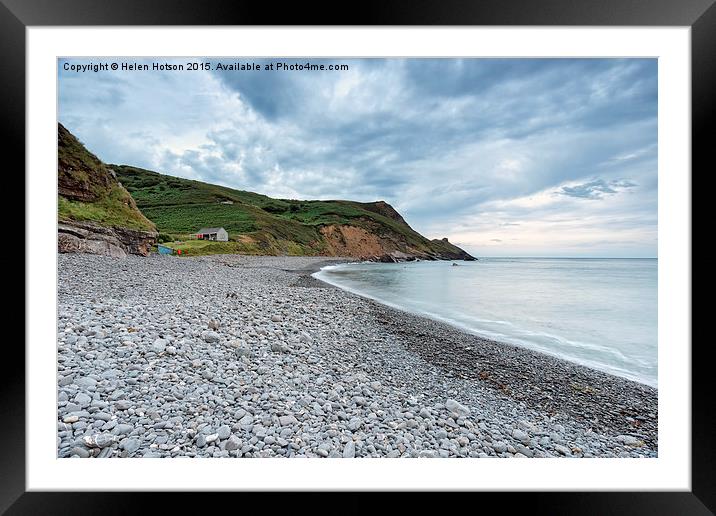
x=601, y=313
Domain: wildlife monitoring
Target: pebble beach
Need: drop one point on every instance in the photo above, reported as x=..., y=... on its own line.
x=242, y=356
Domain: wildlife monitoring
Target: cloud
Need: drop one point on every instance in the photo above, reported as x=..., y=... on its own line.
x=458, y=146
x=596, y=189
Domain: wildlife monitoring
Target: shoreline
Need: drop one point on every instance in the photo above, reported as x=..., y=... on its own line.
x=476, y=332
x=308, y=369
x=539, y=379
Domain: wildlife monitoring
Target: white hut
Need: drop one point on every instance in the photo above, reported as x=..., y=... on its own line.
x=217, y=234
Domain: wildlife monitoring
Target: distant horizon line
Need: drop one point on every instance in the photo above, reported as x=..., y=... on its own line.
x=579, y=257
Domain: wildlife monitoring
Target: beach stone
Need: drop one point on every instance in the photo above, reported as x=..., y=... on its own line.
x=233, y=443
x=521, y=436
x=279, y=347
x=243, y=351
x=65, y=380
x=563, y=450
x=99, y=440
x=349, y=451
x=499, y=446
x=83, y=400
x=72, y=407
x=247, y=420
x=86, y=382
x=223, y=432
x=355, y=423
x=109, y=425
x=456, y=408
x=124, y=428
x=159, y=345
x=80, y=452
x=131, y=445
x=210, y=336
x=428, y=454
x=122, y=405
x=628, y=440
x=521, y=448
x=288, y=420
x=111, y=373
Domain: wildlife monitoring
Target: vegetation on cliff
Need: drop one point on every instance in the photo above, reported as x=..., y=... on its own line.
x=89, y=190
x=258, y=224
x=130, y=198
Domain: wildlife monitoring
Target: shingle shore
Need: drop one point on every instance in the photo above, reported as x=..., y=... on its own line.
x=237, y=356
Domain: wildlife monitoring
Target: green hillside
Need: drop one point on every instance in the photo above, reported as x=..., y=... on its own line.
x=258, y=224
x=89, y=191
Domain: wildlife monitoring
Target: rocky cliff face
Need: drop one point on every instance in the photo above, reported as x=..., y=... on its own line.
x=385, y=209
x=96, y=213
x=79, y=237
x=346, y=240
x=448, y=251
x=81, y=176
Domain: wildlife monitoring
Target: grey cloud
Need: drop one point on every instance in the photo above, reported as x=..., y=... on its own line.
x=443, y=140
x=278, y=94
x=596, y=189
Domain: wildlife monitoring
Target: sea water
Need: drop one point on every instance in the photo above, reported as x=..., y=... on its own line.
x=601, y=313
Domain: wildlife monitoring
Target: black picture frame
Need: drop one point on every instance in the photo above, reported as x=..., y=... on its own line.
x=17, y=15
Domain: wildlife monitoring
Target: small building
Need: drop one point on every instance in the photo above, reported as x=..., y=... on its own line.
x=217, y=234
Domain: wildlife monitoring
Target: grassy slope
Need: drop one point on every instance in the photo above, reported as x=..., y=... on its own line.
x=99, y=197
x=257, y=224
x=110, y=210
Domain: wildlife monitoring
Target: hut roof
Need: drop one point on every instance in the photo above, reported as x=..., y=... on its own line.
x=203, y=231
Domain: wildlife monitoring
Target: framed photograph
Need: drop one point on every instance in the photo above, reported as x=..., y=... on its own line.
x=390, y=253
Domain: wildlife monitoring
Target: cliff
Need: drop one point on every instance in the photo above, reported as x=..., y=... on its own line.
x=96, y=214
x=258, y=224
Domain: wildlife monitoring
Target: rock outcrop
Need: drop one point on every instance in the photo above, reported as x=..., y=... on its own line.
x=97, y=214
x=81, y=176
x=347, y=240
x=83, y=237
x=385, y=209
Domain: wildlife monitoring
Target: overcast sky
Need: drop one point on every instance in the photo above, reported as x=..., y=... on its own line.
x=505, y=157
